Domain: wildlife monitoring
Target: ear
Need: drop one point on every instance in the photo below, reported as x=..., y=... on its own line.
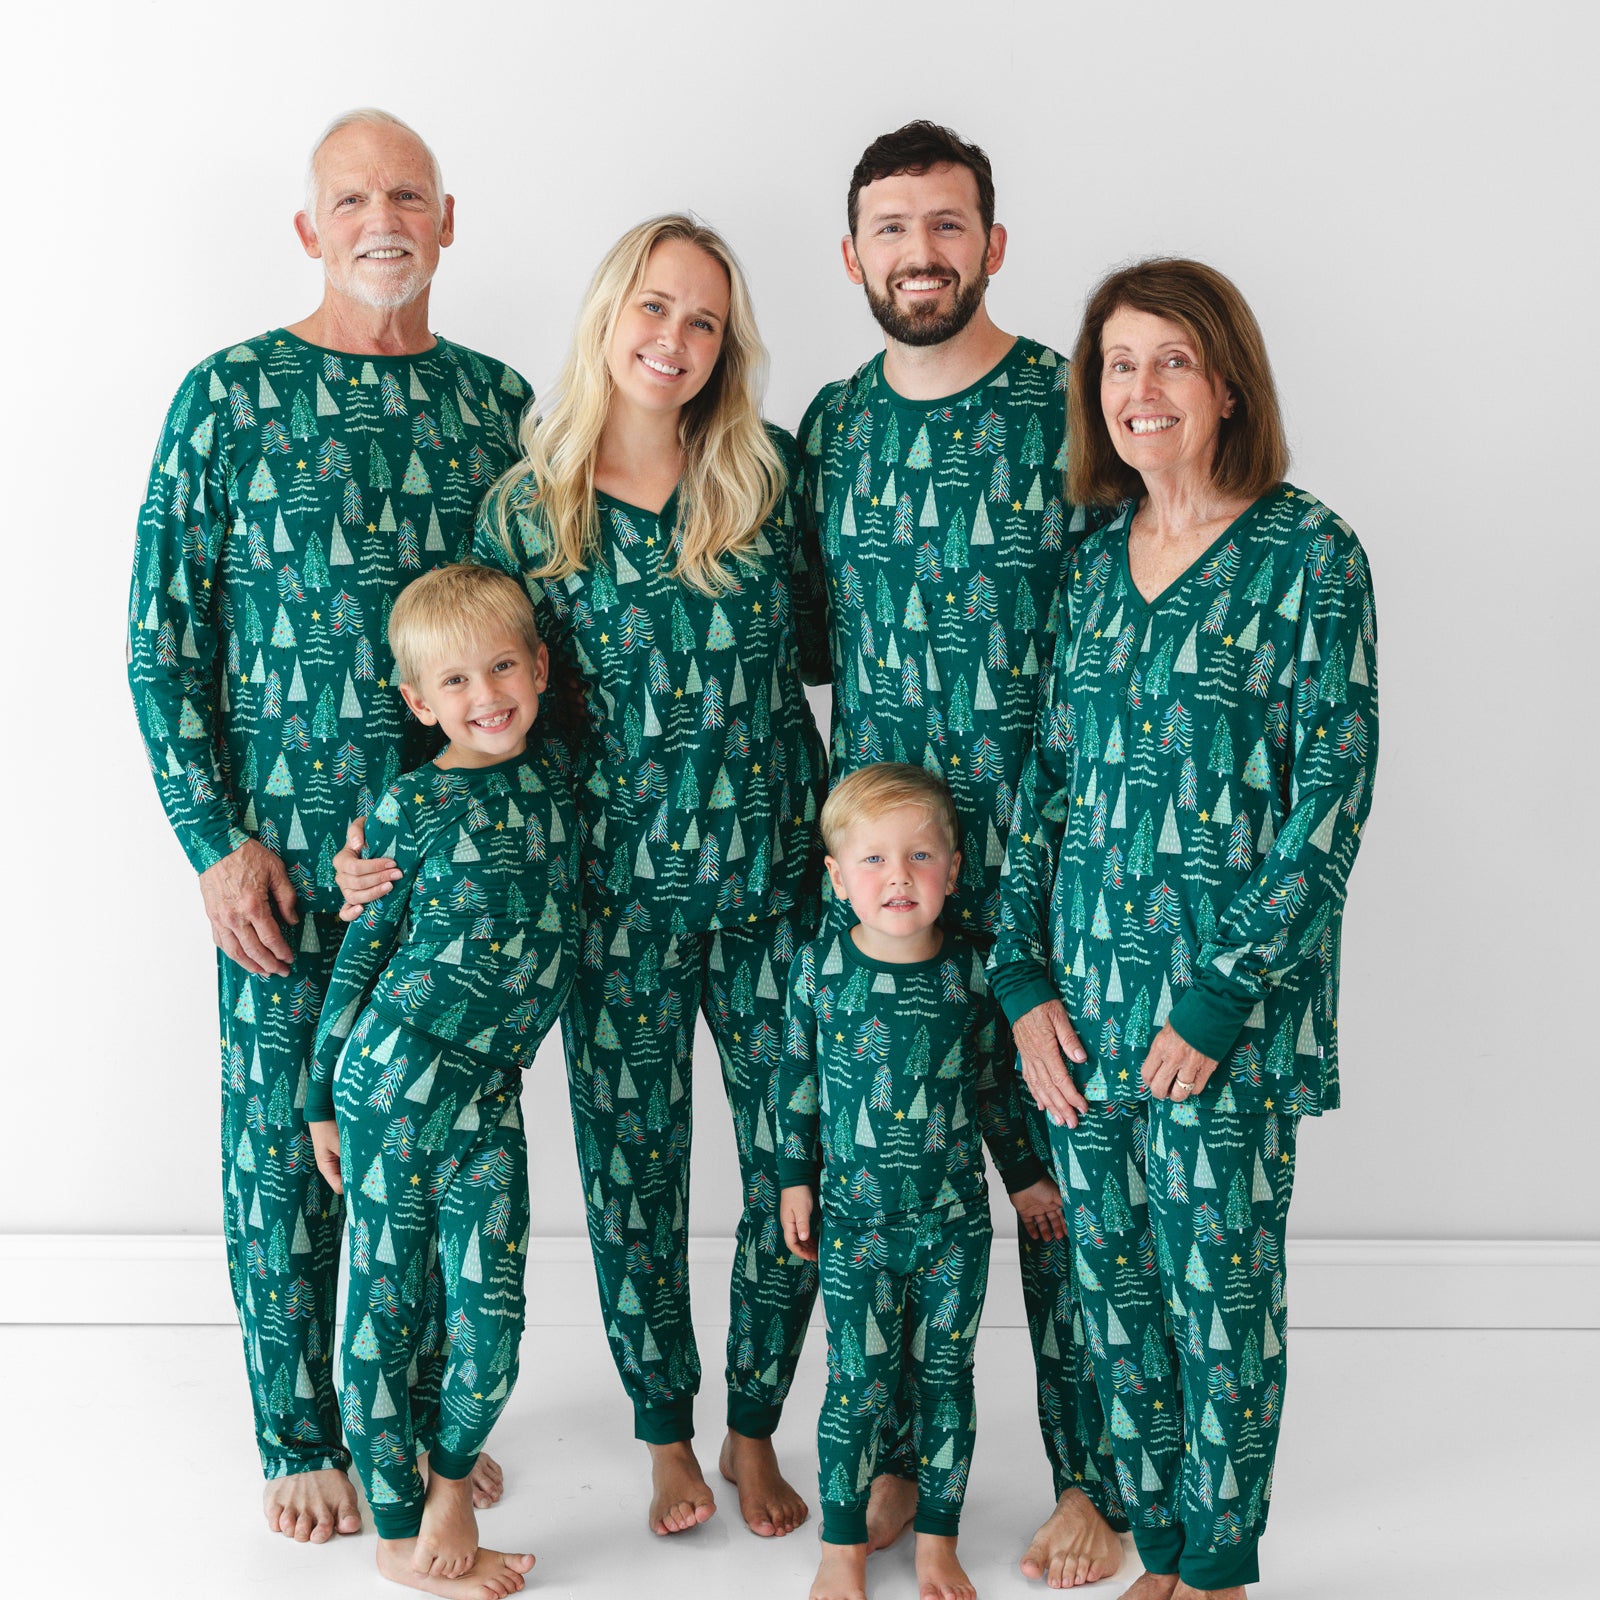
x=418, y=706
x=447, y=228
x=994, y=257
x=307, y=232
x=541, y=668
x=852, y=263
x=955, y=872
x=835, y=879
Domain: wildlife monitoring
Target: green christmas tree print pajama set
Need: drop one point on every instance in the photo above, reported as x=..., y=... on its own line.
x=1185, y=829
x=889, y=1076
x=698, y=800
x=440, y=996
x=293, y=494
x=940, y=530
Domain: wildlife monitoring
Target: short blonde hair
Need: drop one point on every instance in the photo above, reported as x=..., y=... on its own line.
x=447, y=609
x=869, y=792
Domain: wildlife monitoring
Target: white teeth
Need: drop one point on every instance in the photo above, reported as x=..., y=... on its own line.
x=384, y=255
x=663, y=367
x=1152, y=424
x=922, y=283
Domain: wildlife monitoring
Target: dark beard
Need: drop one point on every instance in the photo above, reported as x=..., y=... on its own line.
x=926, y=325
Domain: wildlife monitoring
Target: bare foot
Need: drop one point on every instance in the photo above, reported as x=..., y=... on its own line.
x=492, y=1575
x=488, y=1481
x=940, y=1575
x=1184, y=1592
x=680, y=1497
x=841, y=1574
x=448, y=1538
x=891, y=1509
x=769, y=1504
x=1075, y=1545
x=1152, y=1586
x=310, y=1507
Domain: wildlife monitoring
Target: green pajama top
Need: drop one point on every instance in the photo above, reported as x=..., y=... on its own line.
x=940, y=526
x=889, y=1073
x=705, y=776
x=1187, y=823
x=294, y=492
x=475, y=944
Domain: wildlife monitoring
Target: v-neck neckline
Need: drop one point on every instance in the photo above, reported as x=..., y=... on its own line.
x=1194, y=566
x=643, y=511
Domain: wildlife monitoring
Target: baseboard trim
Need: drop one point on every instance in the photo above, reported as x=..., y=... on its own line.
x=1333, y=1283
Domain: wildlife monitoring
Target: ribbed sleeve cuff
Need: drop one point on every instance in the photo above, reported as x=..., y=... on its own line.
x=319, y=1103
x=1022, y=1173
x=795, y=1174
x=1019, y=986
x=1208, y=1018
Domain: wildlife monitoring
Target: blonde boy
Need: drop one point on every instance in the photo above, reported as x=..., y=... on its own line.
x=441, y=994
x=888, y=1075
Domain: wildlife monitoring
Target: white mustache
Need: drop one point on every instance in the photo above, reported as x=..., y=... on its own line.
x=387, y=241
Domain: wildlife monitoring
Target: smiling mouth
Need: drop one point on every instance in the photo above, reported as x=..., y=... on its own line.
x=1151, y=424
x=922, y=285
x=389, y=253
x=665, y=368
x=498, y=723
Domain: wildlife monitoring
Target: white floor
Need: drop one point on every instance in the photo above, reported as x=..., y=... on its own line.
x=1415, y=1464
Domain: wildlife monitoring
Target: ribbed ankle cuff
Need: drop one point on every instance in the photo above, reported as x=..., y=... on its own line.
x=397, y=1522
x=448, y=1464
x=671, y=1423
x=751, y=1418
x=844, y=1524
x=1220, y=1569
x=944, y=1523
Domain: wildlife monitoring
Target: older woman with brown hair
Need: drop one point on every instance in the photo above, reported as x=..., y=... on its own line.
x=1173, y=891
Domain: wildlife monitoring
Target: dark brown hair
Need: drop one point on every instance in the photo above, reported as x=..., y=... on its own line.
x=916, y=148
x=1252, y=454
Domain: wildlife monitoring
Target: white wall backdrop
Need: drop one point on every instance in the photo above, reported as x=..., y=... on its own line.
x=1401, y=190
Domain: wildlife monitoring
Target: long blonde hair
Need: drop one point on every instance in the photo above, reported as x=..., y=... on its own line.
x=732, y=472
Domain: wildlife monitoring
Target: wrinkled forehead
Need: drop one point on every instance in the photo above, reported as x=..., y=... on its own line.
x=363, y=155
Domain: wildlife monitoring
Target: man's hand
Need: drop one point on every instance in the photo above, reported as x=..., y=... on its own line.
x=325, y=1141
x=1043, y=1036
x=1039, y=1207
x=360, y=880
x=245, y=893
x=794, y=1207
x=1175, y=1070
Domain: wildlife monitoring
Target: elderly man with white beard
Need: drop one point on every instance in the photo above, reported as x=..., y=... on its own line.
x=301, y=480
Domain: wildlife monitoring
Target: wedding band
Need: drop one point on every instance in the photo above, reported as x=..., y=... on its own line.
x=1186, y=1087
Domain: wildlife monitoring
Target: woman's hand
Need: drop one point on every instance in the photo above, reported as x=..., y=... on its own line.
x=325, y=1141
x=1043, y=1037
x=360, y=880
x=794, y=1207
x=1174, y=1070
x=1039, y=1207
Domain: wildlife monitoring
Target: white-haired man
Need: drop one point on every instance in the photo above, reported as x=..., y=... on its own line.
x=301, y=480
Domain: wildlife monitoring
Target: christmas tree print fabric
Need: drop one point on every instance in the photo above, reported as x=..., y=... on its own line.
x=294, y=492
x=890, y=1083
x=436, y=1181
x=940, y=531
x=486, y=903
x=904, y=1300
x=1194, y=802
x=629, y=1034
x=703, y=778
x=1178, y=1213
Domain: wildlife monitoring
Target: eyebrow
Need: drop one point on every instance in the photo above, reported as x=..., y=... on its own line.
x=957, y=212
x=672, y=299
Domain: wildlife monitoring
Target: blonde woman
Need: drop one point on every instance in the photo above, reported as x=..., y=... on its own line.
x=651, y=519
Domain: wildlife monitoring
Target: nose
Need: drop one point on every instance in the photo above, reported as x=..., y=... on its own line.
x=1145, y=386
x=671, y=335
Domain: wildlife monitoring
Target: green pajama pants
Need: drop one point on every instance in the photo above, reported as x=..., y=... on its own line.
x=1178, y=1215
x=1070, y=1418
x=629, y=1033
x=903, y=1300
x=435, y=1165
x=281, y=1222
